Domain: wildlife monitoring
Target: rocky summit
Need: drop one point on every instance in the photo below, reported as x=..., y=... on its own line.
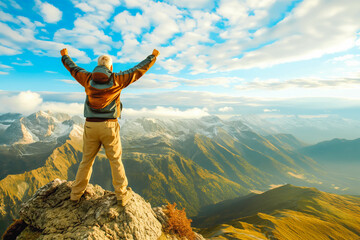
x=50, y=214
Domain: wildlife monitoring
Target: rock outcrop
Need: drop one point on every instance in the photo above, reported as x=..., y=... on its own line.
x=50, y=214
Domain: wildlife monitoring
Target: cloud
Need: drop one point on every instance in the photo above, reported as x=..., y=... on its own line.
x=167, y=81
x=88, y=31
x=7, y=51
x=305, y=83
x=26, y=63
x=16, y=38
x=199, y=4
x=47, y=71
x=49, y=12
x=128, y=23
x=266, y=110
x=3, y=73
x=85, y=7
x=156, y=81
x=52, y=49
x=226, y=109
x=14, y=4
x=193, y=36
x=29, y=102
x=5, y=17
x=24, y=102
x=69, y=108
x=215, y=81
x=165, y=112
x=348, y=59
x=5, y=66
x=299, y=176
x=188, y=99
x=311, y=30
x=69, y=81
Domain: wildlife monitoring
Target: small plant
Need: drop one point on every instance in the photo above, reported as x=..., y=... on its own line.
x=178, y=223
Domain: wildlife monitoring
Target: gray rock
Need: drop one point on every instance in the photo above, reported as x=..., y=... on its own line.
x=51, y=215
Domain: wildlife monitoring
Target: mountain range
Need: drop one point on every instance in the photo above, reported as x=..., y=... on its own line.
x=193, y=162
x=310, y=129
x=286, y=212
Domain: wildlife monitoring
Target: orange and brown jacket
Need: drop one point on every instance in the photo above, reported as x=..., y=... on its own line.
x=103, y=87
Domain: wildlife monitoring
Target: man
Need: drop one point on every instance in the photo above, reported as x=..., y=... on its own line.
x=102, y=109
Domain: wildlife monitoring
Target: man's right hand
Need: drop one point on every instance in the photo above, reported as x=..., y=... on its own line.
x=64, y=52
x=155, y=53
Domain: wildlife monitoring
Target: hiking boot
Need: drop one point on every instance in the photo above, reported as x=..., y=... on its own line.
x=75, y=201
x=126, y=197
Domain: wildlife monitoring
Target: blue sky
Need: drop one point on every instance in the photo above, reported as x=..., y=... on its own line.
x=227, y=57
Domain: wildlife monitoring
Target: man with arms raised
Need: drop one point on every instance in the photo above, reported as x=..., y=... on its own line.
x=102, y=109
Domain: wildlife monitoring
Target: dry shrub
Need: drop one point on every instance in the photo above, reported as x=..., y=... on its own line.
x=178, y=222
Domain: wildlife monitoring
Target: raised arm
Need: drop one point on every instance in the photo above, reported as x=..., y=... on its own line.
x=80, y=74
x=129, y=76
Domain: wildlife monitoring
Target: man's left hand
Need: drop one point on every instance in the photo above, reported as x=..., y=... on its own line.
x=64, y=52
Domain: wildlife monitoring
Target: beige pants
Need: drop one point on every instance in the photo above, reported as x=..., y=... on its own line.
x=95, y=135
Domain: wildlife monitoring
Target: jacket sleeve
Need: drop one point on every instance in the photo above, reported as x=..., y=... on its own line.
x=129, y=76
x=80, y=74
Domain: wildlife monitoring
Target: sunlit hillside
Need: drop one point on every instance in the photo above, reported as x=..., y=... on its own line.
x=287, y=212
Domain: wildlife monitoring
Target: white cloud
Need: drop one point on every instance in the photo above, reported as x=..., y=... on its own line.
x=157, y=81
x=24, y=102
x=5, y=17
x=311, y=30
x=69, y=81
x=49, y=12
x=304, y=83
x=226, y=109
x=299, y=176
x=14, y=4
x=207, y=4
x=52, y=49
x=266, y=110
x=5, y=66
x=29, y=102
x=216, y=81
x=348, y=59
x=47, y=71
x=4, y=73
x=11, y=34
x=14, y=39
x=84, y=7
x=69, y=108
x=138, y=37
x=126, y=23
x=26, y=63
x=172, y=66
x=165, y=112
x=8, y=51
x=88, y=27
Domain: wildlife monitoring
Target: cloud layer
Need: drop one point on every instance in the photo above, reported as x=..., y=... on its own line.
x=197, y=36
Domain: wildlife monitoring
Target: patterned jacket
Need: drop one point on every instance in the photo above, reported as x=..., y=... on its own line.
x=103, y=87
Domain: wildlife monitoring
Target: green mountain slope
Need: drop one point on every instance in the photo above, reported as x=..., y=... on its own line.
x=335, y=151
x=287, y=212
x=341, y=158
x=14, y=189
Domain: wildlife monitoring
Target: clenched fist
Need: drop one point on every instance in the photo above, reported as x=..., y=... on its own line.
x=64, y=52
x=155, y=53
